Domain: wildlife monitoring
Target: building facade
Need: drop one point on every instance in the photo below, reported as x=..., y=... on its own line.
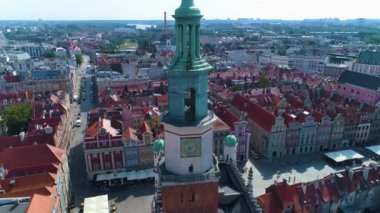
x=359, y=86
x=103, y=149
x=243, y=138
x=368, y=62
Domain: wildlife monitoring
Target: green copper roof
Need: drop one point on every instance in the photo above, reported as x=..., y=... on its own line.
x=230, y=140
x=187, y=8
x=360, y=80
x=158, y=145
x=369, y=57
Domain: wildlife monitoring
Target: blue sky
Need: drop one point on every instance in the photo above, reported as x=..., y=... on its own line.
x=212, y=9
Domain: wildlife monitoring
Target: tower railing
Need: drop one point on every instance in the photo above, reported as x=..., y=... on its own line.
x=213, y=173
x=253, y=204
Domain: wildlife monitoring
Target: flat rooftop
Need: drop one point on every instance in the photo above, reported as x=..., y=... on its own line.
x=375, y=149
x=344, y=155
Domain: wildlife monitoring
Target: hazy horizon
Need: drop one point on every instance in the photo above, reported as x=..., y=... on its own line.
x=211, y=9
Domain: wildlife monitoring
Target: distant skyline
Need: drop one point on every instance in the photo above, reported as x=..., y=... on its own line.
x=211, y=9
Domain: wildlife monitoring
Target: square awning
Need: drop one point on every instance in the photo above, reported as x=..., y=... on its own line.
x=375, y=149
x=98, y=204
x=141, y=174
x=131, y=175
x=344, y=155
x=111, y=176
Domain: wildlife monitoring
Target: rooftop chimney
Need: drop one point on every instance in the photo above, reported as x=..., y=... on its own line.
x=165, y=22
x=365, y=173
x=22, y=136
x=351, y=174
x=303, y=187
x=48, y=130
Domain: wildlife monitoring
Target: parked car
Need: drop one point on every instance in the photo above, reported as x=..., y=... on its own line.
x=78, y=122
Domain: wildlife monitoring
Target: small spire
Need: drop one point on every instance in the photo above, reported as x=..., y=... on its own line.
x=250, y=175
x=187, y=3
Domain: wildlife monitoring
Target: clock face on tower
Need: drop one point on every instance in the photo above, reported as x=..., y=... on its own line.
x=190, y=147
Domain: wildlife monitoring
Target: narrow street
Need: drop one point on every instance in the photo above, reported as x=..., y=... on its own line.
x=135, y=198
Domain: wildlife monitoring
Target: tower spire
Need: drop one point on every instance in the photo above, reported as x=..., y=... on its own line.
x=187, y=3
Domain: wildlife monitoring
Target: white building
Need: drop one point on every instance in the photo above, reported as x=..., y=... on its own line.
x=309, y=64
x=241, y=57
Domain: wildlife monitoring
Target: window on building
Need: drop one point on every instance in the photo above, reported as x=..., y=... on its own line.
x=192, y=197
x=181, y=200
x=191, y=168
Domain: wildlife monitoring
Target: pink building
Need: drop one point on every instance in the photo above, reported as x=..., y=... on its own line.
x=360, y=87
x=104, y=148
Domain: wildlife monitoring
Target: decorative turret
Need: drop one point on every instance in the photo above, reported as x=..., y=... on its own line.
x=230, y=143
x=187, y=8
x=249, y=182
x=158, y=145
x=230, y=140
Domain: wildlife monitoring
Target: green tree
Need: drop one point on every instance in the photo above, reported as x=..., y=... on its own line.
x=49, y=54
x=16, y=118
x=263, y=82
x=79, y=59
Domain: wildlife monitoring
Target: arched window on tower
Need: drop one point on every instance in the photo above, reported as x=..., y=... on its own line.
x=190, y=104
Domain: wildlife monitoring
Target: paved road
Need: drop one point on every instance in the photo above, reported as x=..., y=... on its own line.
x=3, y=40
x=128, y=199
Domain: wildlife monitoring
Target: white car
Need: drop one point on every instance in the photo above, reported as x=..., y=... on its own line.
x=78, y=122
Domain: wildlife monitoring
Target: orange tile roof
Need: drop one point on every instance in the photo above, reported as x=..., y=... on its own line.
x=40, y=204
x=220, y=125
x=162, y=100
x=145, y=128
x=130, y=134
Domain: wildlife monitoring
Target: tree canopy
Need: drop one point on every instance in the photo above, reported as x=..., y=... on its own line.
x=263, y=82
x=79, y=59
x=17, y=117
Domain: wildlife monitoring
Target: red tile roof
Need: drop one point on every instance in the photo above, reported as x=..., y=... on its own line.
x=11, y=78
x=27, y=185
x=294, y=102
x=260, y=116
x=317, y=116
x=222, y=112
x=270, y=203
x=32, y=156
x=130, y=134
x=145, y=128
x=220, y=125
x=162, y=100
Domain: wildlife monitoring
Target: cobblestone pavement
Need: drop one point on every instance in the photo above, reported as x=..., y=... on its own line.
x=295, y=169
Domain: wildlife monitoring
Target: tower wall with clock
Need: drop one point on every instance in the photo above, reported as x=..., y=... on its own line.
x=188, y=175
x=189, y=149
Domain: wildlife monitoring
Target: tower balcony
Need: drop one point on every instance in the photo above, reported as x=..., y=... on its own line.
x=165, y=176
